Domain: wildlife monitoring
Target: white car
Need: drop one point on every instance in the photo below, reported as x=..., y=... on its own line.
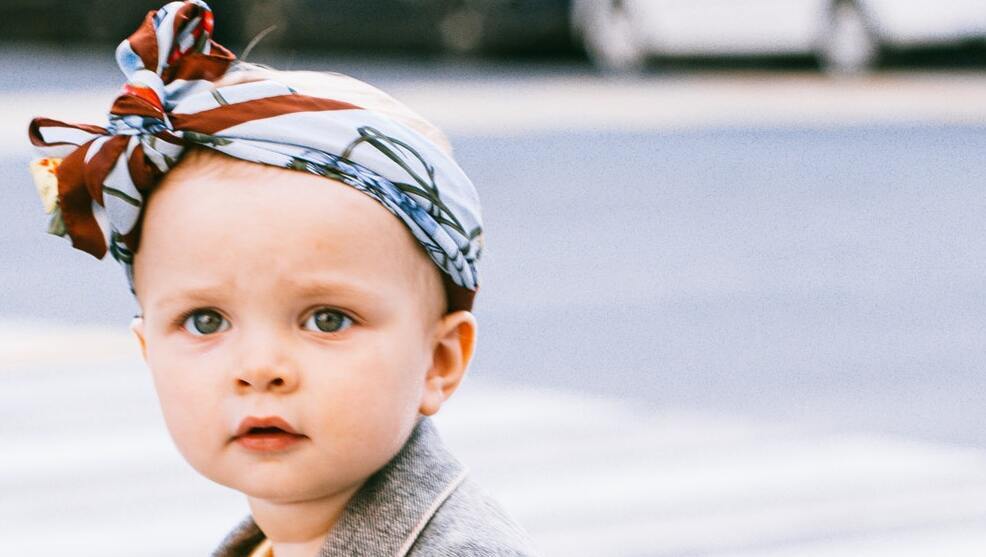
x=846, y=35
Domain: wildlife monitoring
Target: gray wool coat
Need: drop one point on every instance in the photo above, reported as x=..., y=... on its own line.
x=420, y=504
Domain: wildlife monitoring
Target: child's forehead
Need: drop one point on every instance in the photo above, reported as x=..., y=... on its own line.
x=298, y=217
x=220, y=191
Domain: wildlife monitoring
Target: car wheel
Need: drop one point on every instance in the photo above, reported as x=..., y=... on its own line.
x=607, y=33
x=849, y=45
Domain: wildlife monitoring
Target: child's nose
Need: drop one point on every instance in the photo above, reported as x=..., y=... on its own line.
x=265, y=368
x=267, y=379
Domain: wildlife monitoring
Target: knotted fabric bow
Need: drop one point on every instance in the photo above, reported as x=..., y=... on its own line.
x=170, y=102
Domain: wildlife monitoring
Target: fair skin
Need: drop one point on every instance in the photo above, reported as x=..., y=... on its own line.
x=267, y=291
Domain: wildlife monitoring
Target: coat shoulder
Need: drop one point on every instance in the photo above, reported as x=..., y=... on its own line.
x=471, y=523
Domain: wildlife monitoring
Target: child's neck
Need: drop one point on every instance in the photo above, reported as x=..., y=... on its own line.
x=299, y=529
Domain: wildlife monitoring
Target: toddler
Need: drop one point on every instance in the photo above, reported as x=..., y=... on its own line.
x=306, y=271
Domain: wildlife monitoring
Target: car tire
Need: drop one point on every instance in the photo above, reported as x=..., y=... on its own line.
x=849, y=46
x=608, y=35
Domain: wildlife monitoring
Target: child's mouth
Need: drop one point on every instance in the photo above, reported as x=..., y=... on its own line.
x=263, y=430
x=268, y=439
x=267, y=434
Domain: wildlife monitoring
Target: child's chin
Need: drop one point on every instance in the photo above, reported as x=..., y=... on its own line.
x=278, y=490
x=275, y=494
x=270, y=490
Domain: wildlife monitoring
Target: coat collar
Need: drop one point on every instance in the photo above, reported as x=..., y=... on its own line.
x=388, y=512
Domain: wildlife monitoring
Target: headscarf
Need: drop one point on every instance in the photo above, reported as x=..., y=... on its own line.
x=170, y=102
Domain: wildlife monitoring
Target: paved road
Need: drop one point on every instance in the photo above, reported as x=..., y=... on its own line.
x=773, y=284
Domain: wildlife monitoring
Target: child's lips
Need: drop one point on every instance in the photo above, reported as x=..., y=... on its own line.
x=271, y=433
x=252, y=425
x=268, y=440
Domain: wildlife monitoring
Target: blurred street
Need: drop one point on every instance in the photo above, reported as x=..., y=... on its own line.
x=722, y=313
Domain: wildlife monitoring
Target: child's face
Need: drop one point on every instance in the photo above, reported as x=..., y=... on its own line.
x=270, y=292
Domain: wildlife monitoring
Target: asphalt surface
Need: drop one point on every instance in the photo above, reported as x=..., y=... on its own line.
x=800, y=272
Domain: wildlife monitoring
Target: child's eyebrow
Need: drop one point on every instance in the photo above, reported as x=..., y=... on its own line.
x=190, y=295
x=298, y=288
x=319, y=287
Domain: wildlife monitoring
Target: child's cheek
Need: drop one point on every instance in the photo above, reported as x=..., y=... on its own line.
x=190, y=408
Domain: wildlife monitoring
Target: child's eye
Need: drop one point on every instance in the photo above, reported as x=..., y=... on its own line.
x=328, y=321
x=204, y=322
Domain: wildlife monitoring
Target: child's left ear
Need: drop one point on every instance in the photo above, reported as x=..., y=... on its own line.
x=454, y=342
x=137, y=327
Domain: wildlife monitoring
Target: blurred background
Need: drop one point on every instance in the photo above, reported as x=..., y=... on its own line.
x=733, y=296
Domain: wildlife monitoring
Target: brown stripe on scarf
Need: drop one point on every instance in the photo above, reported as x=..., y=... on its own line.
x=143, y=174
x=99, y=166
x=76, y=205
x=128, y=104
x=196, y=65
x=37, y=138
x=227, y=116
x=144, y=42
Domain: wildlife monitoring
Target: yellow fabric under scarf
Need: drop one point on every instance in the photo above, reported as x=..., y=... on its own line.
x=263, y=549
